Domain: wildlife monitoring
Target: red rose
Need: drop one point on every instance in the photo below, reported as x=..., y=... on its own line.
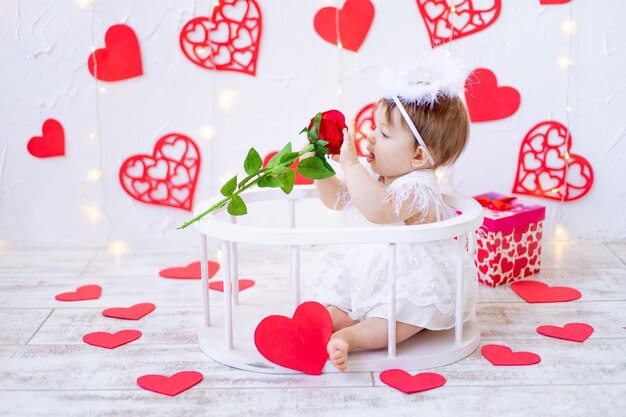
x=331, y=129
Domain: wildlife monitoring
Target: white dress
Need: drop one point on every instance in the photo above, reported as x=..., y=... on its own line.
x=354, y=277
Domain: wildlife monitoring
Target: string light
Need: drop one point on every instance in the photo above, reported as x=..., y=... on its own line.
x=564, y=61
x=117, y=247
x=339, y=45
x=452, y=9
x=568, y=27
x=339, y=92
x=93, y=212
x=93, y=175
x=226, y=99
x=93, y=49
x=568, y=108
x=83, y=4
x=219, y=255
x=92, y=135
x=103, y=90
x=3, y=244
x=206, y=132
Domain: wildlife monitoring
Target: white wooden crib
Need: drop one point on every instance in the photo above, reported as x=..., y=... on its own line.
x=228, y=337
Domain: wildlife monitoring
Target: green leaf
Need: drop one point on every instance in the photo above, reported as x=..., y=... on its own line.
x=288, y=178
x=303, y=130
x=315, y=168
x=327, y=165
x=322, y=142
x=253, y=161
x=276, y=158
x=313, y=133
x=229, y=188
x=237, y=207
x=289, y=158
x=269, y=182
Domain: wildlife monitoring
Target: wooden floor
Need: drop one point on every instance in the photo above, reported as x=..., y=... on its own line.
x=46, y=369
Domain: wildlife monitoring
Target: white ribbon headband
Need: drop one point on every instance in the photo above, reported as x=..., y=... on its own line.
x=409, y=122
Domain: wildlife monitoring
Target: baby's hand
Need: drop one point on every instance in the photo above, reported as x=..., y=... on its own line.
x=347, y=156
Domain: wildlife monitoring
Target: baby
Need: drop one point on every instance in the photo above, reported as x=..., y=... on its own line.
x=420, y=126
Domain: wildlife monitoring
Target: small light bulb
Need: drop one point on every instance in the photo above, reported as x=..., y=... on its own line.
x=564, y=62
x=93, y=175
x=206, y=132
x=83, y=4
x=216, y=4
x=339, y=92
x=555, y=190
x=3, y=244
x=103, y=90
x=93, y=49
x=568, y=108
x=567, y=155
x=226, y=99
x=452, y=9
x=439, y=174
x=92, y=135
x=118, y=247
x=339, y=45
x=559, y=230
x=219, y=255
x=568, y=27
x=93, y=212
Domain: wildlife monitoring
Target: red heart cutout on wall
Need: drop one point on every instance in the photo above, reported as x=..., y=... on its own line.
x=347, y=26
x=51, y=143
x=547, y=169
x=364, y=124
x=577, y=332
x=500, y=355
x=538, y=292
x=300, y=180
x=191, y=271
x=298, y=343
x=407, y=383
x=244, y=284
x=228, y=41
x=111, y=340
x=120, y=59
x=486, y=101
x=86, y=292
x=170, y=385
x=129, y=313
x=167, y=177
x=446, y=22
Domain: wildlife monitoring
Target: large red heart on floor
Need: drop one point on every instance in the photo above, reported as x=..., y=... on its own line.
x=111, y=340
x=347, y=26
x=167, y=177
x=86, y=292
x=191, y=271
x=500, y=355
x=170, y=385
x=546, y=2
x=120, y=59
x=407, y=383
x=546, y=168
x=228, y=41
x=447, y=20
x=298, y=343
x=486, y=100
x=364, y=124
x=577, y=332
x=130, y=313
x=244, y=284
x=300, y=180
x=51, y=143
x=538, y=292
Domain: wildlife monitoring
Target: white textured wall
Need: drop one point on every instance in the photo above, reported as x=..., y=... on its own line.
x=44, y=47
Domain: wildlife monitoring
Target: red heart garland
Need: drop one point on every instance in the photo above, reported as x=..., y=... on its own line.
x=298, y=343
x=51, y=143
x=228, y=41
x=300, y=180
x=120, y=59
x=168, y=177
x=170, y=385
x=348, y=25
x=546, y=2
x=500, y=355
x=86, y=292
x=111, y=340
x=547, y=169
x=130, y=313
x=577, y=332
x=191, y=271
x=244, y=284
x=485, y=100
x=538, y=292
x=446, y=23
x=364, y=123
x=407, y=383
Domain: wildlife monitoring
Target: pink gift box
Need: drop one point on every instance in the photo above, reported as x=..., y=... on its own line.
x=509, y=241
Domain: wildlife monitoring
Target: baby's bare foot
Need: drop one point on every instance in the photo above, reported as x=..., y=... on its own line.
x=338, y=352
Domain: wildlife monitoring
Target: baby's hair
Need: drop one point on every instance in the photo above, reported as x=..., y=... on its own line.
x=444, y=126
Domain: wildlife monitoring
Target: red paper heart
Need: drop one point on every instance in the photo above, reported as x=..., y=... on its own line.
x=445, y=23
x=298, y=343
x=547, y=169
x=485, y=100
x=228, y=41
x=168, y=177
x=120, y=59
x=170, y=385
x=364, y=124
x=130, y=313
x=51, y=143
x=111, y=340
x=348, y=25
x=546, y=2
x=244, y=284
x=407, y=383
x=191, y=271
x=86, y=292
x=538, y=292
x=500, y=355
x=300, y=180
x=577, y=332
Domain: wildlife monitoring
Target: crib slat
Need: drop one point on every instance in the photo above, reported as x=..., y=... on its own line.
x=204, y=272
x=391, y=333
x=234, y=266
x=458, y=319
x=228, y=307
x=295, y=275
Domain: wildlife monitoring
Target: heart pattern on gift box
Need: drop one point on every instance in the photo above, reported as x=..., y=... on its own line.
x=227, y=41
x=364, y=124
x=538, y=292
x=111, y=340
x=120, y=59
x=170, y=385
x=85, y=292
x=447, y=20
x=576, y=332
x=167, y=177
x=191, y=271
x=130, y=313
x=486, y=101
x=296, y=343
x=407, y=383
x=547, y=169
x=244, y=284
x=50, y=143
x=347, y=26
x=500, y=355
x=300, y=179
